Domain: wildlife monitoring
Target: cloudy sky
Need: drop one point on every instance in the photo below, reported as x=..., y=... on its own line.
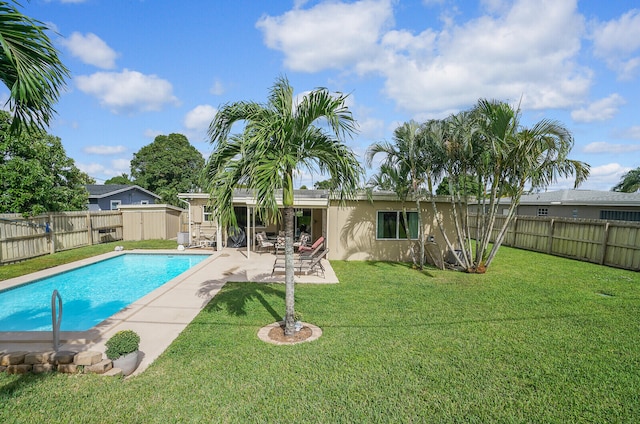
x=141, y=68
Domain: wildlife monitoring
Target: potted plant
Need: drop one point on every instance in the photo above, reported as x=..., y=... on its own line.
x=122, y=349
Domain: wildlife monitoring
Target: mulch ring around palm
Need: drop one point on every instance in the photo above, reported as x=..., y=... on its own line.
x=274, y=333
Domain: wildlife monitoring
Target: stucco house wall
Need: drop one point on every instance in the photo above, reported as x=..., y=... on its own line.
x=352, y=230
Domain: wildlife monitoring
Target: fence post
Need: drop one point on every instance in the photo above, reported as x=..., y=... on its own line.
x=550, y=241
x=605, y=241
x=52, y=236
x=89, y=229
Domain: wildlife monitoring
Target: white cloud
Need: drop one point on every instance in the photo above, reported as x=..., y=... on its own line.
x=632, y=132
x=102, y=171
x=217, y=89
x=602, y=177
x=513, y=51
x=328, y=35
x=600, y=110
x=104, y=150
x=200, y=117
x=605, y=147
x=618, y=41
x=91, y=49
x=128, y=91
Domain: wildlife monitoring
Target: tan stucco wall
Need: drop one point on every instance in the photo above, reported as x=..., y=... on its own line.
x=352, y=231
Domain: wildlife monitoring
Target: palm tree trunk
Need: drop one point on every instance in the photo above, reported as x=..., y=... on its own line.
x=289, y=322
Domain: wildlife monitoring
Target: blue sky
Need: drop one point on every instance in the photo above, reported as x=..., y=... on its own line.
x=141, y=68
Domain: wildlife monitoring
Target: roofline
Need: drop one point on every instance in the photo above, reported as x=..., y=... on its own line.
x=111, y=193
x=299, y=201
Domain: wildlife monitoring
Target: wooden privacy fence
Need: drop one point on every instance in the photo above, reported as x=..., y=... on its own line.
x=611, y=243
x=22, y=238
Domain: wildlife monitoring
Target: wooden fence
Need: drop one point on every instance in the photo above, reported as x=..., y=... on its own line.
x=22, y=238
x=611, y=243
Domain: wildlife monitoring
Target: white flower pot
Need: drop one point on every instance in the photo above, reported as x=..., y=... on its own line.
x=127, y=363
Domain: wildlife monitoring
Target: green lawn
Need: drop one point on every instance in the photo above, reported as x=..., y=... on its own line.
x=536, y=339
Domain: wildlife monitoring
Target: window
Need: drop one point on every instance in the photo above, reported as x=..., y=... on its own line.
x=144, y=202
x=620, y=215
x=390, y=225
x=207, y=214
x=543, y=211
x=115, y=204
x=574, y=213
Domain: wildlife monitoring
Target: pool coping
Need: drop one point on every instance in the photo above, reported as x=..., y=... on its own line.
x=87, y=336
x=160, y=316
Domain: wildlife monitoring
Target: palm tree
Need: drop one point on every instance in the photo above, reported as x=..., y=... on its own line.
x=29, y=67
x=489, y=143
x=403, y=170
x=630, y=182
x=278, y=138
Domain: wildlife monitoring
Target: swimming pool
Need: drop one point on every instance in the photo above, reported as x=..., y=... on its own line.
x=92, y=293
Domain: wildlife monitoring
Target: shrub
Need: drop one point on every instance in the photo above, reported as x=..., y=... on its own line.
x=121, y=343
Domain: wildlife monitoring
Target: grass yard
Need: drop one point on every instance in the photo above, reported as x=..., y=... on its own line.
x=536, y=339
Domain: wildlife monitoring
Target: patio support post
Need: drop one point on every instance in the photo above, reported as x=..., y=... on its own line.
x=248, y=232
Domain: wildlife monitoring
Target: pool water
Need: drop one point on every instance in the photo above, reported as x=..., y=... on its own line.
x=90, y=294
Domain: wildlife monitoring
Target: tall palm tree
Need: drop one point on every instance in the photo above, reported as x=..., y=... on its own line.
x=278, y=138
x=29, y=67
x=630, y=182
x=404, y=160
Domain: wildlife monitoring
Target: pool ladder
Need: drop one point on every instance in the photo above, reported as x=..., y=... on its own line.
x=56, y=318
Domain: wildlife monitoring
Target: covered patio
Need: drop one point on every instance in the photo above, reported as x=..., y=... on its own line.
x=311, y=217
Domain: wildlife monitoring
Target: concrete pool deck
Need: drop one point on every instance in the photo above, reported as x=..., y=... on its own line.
x=160, y=316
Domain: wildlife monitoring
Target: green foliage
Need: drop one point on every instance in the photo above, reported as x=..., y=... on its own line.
x=531, y=342
x=466, y=185
x=168, y=166
x=36, y=175
x=122, y=343
x=119, y=179
x=630, y=182
x=30, y=68
x=323, y=185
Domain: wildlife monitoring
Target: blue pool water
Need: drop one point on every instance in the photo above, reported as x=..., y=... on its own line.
x=90, y=294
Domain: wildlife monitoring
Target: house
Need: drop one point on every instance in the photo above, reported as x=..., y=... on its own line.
x=367, y=228
x=111, y=196
x=585, y=204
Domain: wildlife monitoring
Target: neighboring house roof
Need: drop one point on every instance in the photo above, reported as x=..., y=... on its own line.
x=98, y=191
x=580, y=197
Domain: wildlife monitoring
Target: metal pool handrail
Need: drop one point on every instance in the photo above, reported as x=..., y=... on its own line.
x=55, y=323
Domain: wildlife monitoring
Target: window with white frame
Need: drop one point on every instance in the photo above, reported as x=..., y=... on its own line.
x=115, y=204
x=207, y=213
x=390, y=225
x=543, y=211
x=144, y=202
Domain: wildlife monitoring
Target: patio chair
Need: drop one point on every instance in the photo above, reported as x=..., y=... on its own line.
x=314, y=265
x=263, y=243
x=313, y=247
x=302, y=241
x=302, y=262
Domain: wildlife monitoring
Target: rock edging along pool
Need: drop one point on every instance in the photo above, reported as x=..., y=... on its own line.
x=91, y=293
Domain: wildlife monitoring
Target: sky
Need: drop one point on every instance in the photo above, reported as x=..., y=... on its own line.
x=142, y=68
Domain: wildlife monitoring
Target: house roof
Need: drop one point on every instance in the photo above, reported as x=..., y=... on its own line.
x=581, y=197
x=98, y=191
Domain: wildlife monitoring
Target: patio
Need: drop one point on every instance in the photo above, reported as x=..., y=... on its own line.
x=160, y=316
